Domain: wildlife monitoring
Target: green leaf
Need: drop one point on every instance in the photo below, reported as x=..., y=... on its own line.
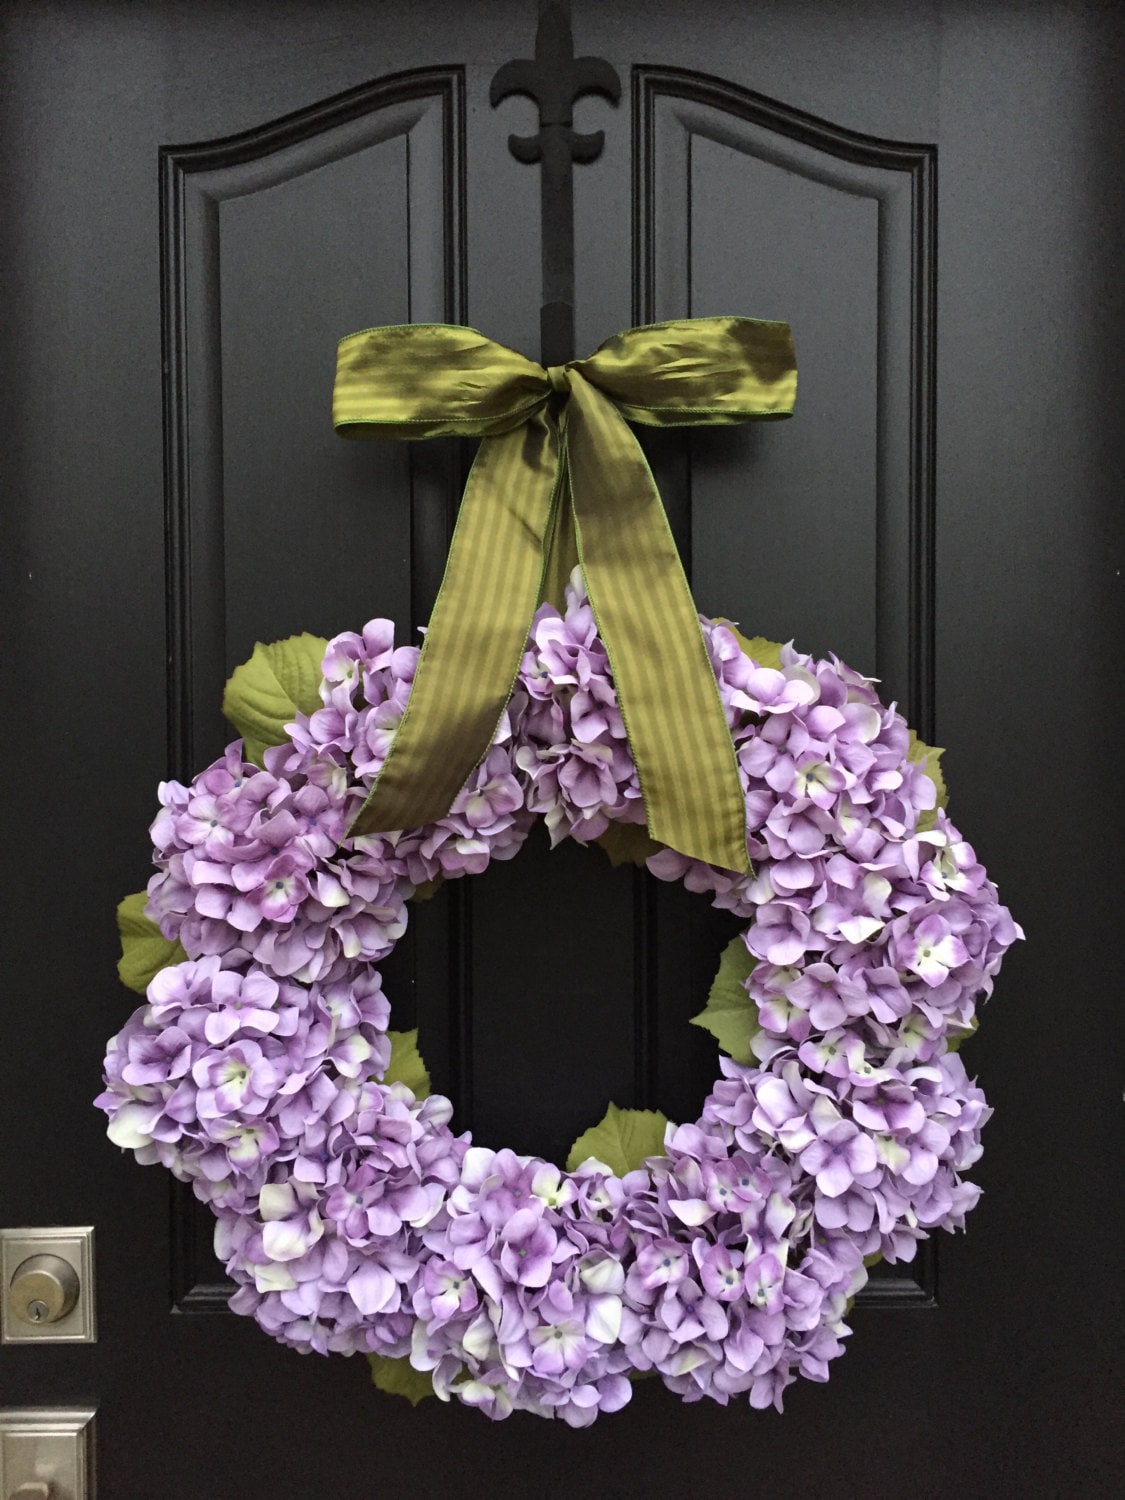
x=267, y=692
x=953, y=1039
x=144, y=948
x=406, y=1065
x=930, y=758
x=628, y=844
x=730, y=1015
x=428, y=888
x=623, y=1139
x=398, y=1377
x=765, y=653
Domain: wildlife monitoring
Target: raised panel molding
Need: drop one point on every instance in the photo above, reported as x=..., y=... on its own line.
x=680, y=119
x=215, y=197
x=196, y=181
x=675, y=109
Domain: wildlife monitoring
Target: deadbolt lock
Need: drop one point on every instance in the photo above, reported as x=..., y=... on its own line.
x=46, y=1286
x=44, y=1289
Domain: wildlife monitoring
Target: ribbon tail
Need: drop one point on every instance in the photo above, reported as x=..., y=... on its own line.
x=666, y=687
x=562, y=544
x=473, y=647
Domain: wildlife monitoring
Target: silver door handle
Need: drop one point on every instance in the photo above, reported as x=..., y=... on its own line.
x=46, y=1454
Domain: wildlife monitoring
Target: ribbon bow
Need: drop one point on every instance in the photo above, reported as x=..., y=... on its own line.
x=559, y=474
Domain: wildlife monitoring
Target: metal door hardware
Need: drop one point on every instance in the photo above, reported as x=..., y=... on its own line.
x=44, y=1289
x=47, y=1287
x=46, y=1454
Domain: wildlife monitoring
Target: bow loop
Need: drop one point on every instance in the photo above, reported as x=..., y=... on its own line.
x=545, y=490
x=697, y=372
x=420, y=380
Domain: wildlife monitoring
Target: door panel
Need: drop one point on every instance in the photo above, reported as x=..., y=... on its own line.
x=741, y=200
x=225, y=190
x=344, y=215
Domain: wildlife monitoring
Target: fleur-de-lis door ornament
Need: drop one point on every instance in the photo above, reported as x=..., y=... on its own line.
x=554, y=79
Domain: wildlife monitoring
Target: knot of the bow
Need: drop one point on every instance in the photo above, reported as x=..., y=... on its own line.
x=559, y=377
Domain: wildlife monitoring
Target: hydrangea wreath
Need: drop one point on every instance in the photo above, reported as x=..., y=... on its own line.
x=722, y=1254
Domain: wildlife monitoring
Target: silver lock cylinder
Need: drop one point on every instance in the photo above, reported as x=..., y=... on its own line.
x=44, y=1289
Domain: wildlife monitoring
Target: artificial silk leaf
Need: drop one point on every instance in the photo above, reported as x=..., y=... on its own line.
x=930, y=758
x=144, y=948
x=406, y=1065
x=398, y=1377
x=953, y=1039
x=765, y=653
x=628, y=844
x=428, y=888
x=730, y=1015
x=622, y=1140
x=267, y=692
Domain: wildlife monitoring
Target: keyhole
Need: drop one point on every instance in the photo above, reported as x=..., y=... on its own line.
x=36, y=1311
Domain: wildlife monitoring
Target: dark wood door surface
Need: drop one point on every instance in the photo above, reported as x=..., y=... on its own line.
x=198, y=200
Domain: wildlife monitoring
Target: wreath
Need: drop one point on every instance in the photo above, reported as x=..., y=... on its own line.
x=721, y=1255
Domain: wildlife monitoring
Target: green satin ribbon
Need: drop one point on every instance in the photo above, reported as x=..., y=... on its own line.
x=559, y=474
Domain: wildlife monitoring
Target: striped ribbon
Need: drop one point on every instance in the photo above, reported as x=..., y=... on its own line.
x=560, y=475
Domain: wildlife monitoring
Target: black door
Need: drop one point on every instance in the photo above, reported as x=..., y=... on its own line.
x=199, y=200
